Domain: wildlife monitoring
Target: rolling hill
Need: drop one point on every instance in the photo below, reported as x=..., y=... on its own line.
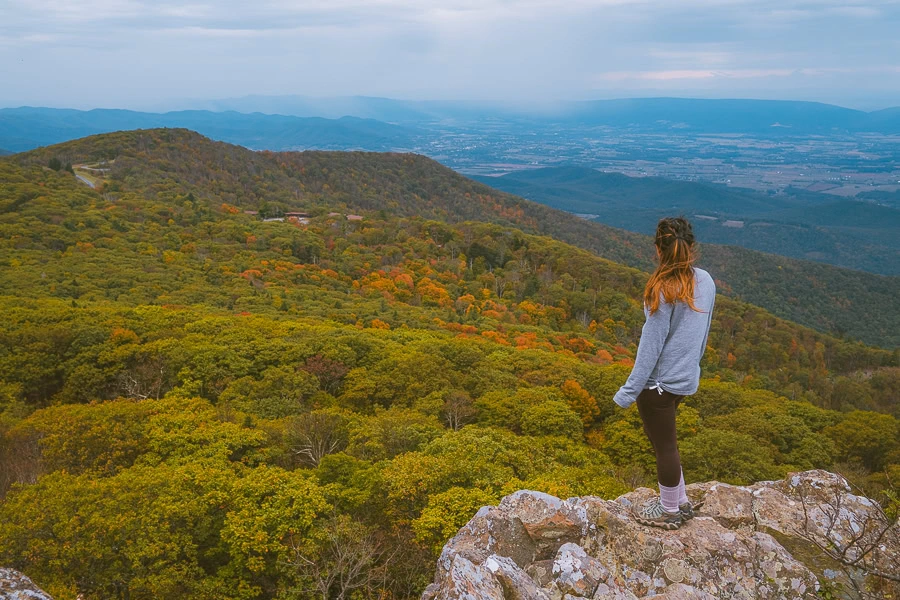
x=842, y=232
x=178, y=161
x=26, y=128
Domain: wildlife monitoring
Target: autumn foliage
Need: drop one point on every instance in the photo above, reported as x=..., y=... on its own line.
x=198, y=403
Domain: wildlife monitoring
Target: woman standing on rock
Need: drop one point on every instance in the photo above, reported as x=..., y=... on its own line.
x=678, y=305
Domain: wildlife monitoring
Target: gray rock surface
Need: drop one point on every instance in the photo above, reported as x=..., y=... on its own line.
x=577, y=573
x=745, y=542
x=15, y=586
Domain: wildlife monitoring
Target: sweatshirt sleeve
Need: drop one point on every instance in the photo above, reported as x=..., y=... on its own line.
x=653, y=338
x=708, y=325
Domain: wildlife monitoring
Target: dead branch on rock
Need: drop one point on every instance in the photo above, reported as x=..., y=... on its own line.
x=855, y=542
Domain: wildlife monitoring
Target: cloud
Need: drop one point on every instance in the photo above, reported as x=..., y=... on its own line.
x=141, y=50
x=684, y=74
x=212, y=32
x=702, y=58
x=693, y=74
x=860, y=12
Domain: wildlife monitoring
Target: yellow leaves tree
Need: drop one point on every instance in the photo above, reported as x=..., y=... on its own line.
x=446, y=512
x=272, y=514
x=581, y=401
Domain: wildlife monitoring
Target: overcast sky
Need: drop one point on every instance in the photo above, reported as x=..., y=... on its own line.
x=154, y=54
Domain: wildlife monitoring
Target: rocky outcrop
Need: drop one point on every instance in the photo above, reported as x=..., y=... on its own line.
x=15, y=586
x=774, y=540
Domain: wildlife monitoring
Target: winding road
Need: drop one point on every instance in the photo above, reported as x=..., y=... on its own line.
x=85, y=180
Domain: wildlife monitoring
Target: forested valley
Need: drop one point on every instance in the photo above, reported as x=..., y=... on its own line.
x=197, y=402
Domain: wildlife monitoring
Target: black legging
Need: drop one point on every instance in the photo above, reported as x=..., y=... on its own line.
x=658, y=414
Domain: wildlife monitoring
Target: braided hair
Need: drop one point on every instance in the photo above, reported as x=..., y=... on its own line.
x=674, y=276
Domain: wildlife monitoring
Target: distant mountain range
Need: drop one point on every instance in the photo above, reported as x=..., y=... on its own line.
x=775, y=117
x=843, y=232
x=358, y=122
x=382, y=109
x=26, y=128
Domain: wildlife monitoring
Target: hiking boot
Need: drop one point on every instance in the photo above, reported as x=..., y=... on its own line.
x=652, y=513
x=686, y=510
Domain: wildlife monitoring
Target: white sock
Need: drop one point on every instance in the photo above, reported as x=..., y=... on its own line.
x=668, y=496
x=682, y=494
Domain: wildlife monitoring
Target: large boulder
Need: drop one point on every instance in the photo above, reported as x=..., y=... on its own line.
x=760, y=541
x=15, y=586
x=548, y=520
x=493, y=530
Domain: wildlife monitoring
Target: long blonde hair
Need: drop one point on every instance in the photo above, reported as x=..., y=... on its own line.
x=674, y=276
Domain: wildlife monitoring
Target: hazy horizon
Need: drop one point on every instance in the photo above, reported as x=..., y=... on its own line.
x=209, y=104
x=152, y=56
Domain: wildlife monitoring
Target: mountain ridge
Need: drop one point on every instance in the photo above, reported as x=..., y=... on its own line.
x=414, y=185
x=700, y=113
x=26, y=128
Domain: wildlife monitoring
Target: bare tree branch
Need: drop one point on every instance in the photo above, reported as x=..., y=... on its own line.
x=353, y=558
x=853, y=541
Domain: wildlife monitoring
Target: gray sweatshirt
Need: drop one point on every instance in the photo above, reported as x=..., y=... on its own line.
x=672, y=343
